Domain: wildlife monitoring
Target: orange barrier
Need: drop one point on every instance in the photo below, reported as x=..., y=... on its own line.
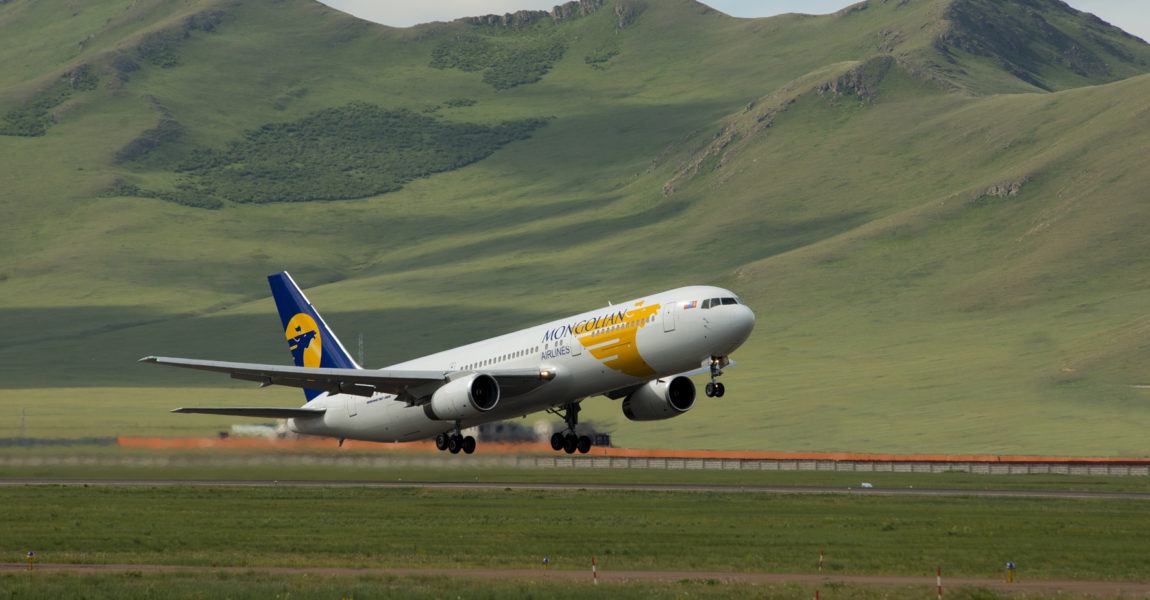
x=317, y=443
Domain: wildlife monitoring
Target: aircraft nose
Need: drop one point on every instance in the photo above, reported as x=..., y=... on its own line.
x=737, y=323
x=742, y=322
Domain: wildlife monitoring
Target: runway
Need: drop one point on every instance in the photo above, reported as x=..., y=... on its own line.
x=638, y=487
x=607, y=576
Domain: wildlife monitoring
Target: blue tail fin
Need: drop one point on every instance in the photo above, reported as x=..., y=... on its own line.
x=310, y=340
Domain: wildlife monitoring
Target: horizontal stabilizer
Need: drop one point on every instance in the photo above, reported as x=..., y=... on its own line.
x=263, y=412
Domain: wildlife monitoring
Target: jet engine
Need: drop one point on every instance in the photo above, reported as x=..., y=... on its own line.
x=464, y=397
x=660, y=399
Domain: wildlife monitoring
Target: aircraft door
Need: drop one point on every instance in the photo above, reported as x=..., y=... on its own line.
x=576, y=346
x=352, y=409
x=668, y=318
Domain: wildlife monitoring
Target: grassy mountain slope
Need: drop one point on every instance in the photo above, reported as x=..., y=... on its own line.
x=1028, y=278
x=933, y=206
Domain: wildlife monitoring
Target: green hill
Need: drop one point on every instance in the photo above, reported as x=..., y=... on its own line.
x=934, y=206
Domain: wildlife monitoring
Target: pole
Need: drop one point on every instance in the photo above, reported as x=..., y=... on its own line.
x=940, y=583
x=31, y=560
x=820, y=561
x=594, y=573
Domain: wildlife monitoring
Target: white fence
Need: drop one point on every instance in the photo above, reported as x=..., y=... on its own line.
x=748, y=464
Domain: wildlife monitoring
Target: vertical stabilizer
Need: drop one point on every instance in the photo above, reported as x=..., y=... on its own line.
x=311, y=341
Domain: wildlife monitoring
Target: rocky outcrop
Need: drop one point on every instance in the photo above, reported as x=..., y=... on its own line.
x=1005, y=189
x=522, y=18
x=862, y=80
x=757, y=116
x=626, y=12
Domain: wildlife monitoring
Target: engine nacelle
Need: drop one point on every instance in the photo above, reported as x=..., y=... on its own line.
x=660, y=399
x=465, y=397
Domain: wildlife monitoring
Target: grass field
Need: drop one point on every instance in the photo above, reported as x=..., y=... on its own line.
x=691, y=531
x=701, y=531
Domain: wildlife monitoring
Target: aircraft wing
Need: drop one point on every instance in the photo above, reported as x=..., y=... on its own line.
x=266, y=412
x=408, y=385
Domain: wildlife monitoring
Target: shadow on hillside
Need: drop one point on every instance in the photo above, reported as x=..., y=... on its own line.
x=52, y=347
x=554, y=239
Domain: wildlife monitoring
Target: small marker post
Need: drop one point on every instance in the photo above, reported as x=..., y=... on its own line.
x=939, y=583
x=545, y=562
x=1009, y=571
x=820, y=561
x=31, y=560
x=594, y=572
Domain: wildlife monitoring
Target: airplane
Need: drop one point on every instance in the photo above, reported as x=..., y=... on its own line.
x=641, y=351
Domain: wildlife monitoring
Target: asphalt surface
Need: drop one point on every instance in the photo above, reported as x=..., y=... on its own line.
x=605, y=575
x=639, y=487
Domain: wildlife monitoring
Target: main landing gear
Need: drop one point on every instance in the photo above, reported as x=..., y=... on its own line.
x=568, y=441
x=714, y=389
x=455, y=441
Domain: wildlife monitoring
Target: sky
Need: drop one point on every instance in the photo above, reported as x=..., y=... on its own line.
x=1130, y=15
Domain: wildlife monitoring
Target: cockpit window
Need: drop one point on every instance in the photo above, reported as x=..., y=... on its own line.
x=713, y=302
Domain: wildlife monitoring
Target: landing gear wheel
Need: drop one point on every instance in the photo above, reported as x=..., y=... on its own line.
x=714, y=389
x=455, y=444
x=468, y=445
x=441, y=442
x=569, y=441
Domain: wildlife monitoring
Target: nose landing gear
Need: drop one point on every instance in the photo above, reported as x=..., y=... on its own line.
x=714, y=389
x=569, y=441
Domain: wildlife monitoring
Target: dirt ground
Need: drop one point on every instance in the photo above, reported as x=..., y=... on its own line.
x=1094, y=588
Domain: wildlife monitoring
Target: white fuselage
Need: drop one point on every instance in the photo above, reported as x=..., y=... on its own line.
x=592, y=353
